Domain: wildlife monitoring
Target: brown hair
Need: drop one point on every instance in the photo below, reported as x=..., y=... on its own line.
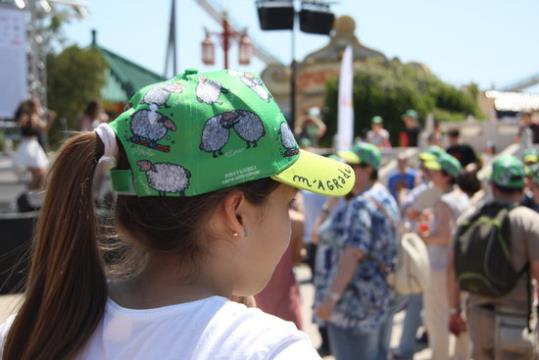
x=66, y=290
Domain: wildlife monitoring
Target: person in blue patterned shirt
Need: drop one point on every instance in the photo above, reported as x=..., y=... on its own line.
x=357, y=251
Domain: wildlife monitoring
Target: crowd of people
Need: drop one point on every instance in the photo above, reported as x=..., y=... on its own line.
x=459, y=257
x=31, y=155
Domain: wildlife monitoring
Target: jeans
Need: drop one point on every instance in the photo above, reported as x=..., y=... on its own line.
x=350, y=344
x=412, y=321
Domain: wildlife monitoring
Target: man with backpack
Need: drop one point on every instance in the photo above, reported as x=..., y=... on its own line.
x=494, y=259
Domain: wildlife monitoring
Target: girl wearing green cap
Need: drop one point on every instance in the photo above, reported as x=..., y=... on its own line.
x=205, y=176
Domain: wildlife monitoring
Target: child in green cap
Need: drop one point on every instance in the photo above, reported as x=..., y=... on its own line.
x=207, y=168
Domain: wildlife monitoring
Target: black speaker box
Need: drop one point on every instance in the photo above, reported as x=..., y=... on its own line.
x=316, y=22
x=278, y=16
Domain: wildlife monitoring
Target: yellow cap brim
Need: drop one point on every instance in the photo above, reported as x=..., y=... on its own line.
x=531, y=159
x=349, y=157
x=425, y=156
x=433, y=165
x=318, y=174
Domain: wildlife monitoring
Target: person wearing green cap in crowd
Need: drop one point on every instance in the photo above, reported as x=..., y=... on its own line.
x=531, y=200
x=409, y=137
x=312, y=128
x=530, y=158
x=207, y=169
x=501, y=327
x=356, y=252
x=530, y=197
x=424, y=195
x=441, y=220
x=378, y=136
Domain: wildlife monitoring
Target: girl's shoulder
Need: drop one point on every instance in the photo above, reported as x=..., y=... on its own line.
x=253, y=334
x=211, y=328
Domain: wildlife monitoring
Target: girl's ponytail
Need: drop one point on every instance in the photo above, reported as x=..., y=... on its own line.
x=66, y=289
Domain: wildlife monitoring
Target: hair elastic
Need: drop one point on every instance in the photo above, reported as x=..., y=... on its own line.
x=108, y=137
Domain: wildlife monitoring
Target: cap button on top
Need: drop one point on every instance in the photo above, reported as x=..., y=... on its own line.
x=189, y=71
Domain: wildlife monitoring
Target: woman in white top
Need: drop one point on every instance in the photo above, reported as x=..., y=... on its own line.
x=30, y=155
x=444, y=172
x=92, y=116
x=206, y=172
x=378, y=135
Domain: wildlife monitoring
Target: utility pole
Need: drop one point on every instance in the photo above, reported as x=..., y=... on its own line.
x=171, y=45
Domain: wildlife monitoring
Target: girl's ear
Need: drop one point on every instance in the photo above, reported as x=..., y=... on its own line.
x=234, y=208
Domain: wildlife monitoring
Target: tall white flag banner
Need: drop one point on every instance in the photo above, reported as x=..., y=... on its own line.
x=345, y=111
x=13, y=68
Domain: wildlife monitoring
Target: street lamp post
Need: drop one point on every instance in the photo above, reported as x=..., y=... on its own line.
x=315, y=17
x=226, y=37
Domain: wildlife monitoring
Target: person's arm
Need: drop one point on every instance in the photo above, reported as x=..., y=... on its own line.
x=324, y=214
x=386, y=143
x=444, y=226
x=356, y=239
x=456, y=322
x=320, y=125
x=534, y=268
x=51, y=117
x=296, y=239
x=347, y=266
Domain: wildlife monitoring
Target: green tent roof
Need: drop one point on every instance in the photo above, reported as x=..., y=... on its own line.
x=124, y=77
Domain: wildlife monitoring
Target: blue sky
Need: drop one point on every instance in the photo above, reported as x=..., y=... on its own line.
x=491, y=42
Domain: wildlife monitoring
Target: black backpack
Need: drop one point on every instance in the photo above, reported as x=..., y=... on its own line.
x=482, y=251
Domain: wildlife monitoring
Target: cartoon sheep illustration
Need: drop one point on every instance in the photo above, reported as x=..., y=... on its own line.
x=165, y=177
x=249, y=127
x=256, y=85
x=159, y=95
x=216, y=132
x=288, y=141
x=253, y=83
x=208, y=91
x=148, y=127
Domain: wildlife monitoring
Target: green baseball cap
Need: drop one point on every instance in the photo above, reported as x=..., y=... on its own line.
x=432, y=153
x=362, y=153
x=508, y=172
x=445, y=162
x=410, y=113
x=530, y=156
x=377, y=120
x=201, y=132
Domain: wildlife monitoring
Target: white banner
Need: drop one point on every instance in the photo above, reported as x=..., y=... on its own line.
x=345, y=124
x=13, y=67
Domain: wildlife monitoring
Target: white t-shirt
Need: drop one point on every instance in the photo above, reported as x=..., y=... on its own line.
x=378, y=138
x=208, y=329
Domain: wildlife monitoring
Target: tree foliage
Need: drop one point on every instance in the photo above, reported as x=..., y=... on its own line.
x=74, y=77
x=389, y=89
